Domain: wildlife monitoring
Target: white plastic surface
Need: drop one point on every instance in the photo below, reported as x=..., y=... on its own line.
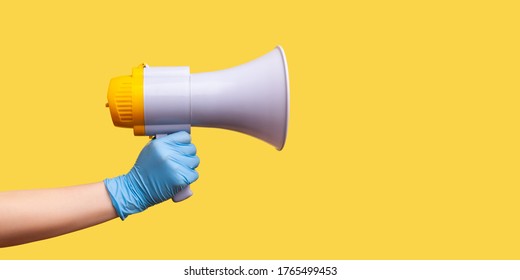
x=252, y=98
x=183, y=194
x=166, y=99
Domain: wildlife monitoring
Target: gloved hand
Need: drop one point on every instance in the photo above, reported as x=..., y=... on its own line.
x=164, y=167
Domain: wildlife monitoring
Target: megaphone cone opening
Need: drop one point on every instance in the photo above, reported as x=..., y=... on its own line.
x=252, y=98
x=287, y=89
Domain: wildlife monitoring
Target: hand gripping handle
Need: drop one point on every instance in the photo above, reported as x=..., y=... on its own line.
x=184, y=193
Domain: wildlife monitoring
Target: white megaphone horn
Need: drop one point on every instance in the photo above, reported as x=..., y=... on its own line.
x=252, y=98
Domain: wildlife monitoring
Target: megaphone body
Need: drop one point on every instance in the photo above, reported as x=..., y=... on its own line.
x=252, y=98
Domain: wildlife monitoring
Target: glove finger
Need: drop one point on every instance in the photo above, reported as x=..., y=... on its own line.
x=187, y=174
x=192, y=175
x=185, y=149
x=181, y=137
x=191, y=161
x=186, y=161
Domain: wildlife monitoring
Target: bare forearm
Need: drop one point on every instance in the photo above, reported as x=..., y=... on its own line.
x=31, y=215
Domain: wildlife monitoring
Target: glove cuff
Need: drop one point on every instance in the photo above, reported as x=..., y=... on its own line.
x=123, y=203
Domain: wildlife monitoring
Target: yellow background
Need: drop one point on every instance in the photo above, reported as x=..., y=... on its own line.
x=403, y=139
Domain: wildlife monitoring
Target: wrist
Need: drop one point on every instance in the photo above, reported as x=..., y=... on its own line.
x=121, y=195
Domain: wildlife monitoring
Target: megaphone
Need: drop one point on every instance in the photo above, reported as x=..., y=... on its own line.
x=252, y=98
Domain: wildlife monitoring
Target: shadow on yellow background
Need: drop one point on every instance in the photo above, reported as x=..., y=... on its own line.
x=403, y=135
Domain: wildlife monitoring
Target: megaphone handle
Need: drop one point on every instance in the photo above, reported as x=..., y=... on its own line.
x=184, y=193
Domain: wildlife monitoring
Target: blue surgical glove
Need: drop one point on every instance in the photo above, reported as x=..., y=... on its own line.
x=164, y=167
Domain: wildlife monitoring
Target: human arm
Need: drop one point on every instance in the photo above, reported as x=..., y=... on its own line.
x=164, y=167
x=30, y=215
